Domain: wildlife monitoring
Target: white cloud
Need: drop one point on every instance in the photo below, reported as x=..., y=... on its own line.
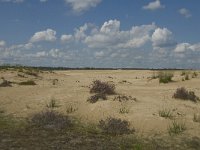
x=2, y=43
x=66, y=38
x=182, y=47
x=162, y=38
x=48, y=35
x=13, y=1
x=195, y=47
x=154, y=5
x=185, y=47
x=99, y=54
x=110, y=36
x=185, y=12
x=41, y=54
x=79, y=6
x=80, y=33
x=112, y=26
x=55, y=53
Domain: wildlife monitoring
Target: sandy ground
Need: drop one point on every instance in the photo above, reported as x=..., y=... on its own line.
x=72, y=90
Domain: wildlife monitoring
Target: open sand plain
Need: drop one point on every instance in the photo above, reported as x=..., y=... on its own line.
x=71, y=90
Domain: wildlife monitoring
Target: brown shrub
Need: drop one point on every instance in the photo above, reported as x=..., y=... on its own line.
x=182, y=93
x=102, y=87
x=115, y=126
x=51, y=119
x=96, y=97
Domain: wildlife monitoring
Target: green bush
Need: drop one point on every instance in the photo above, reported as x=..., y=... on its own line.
x=165, y=77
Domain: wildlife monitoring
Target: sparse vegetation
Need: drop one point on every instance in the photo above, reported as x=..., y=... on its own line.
x=52, y=104
x=102, y=87
x=55, y=81
x=122, y=98
x=29, y=82
x=165, y=77
x=166, y=114
x=29, y=71
x=187, y=77
x=182, y=93
x=183, y=73
x=96, y=97
x=194, y=74
x=115, y=126
x=51, y=119
x=5, y=83
x=71, y=109
x=176, y=128
x=123, y=110
x=21, y=75
x=196, y=118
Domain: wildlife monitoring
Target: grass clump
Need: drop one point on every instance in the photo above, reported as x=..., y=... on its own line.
x=196, y=118
x=194, y=74
x=176, y=128
x=182, y=93
x=71, y=109
x=102, y=87
x=55, y=81
x=29, y=82
x=123, y=110
x=187, y=77
x=166, y=114
x=115, y=126
x=96, y=97
x=52, y=104
x=165, y=77
x=51, y=119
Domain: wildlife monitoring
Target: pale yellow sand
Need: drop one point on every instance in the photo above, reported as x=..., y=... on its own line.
x=72, y=90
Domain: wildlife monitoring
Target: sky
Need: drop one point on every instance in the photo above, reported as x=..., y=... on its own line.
x=101, y=33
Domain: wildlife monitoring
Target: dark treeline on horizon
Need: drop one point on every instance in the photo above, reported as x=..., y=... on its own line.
x=6, y=66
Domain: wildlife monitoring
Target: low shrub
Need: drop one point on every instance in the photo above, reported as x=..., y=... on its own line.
x=122, y=98
x=51, y=119
x=187, y=77
x=96, y=97
x=165, y=77
x=182, y=93
x=115, y=126
x=55, y=81
x=194, y=74
x=29, y=82
x=102, y=87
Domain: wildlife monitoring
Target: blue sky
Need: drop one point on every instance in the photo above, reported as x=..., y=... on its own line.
x=100, y=33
